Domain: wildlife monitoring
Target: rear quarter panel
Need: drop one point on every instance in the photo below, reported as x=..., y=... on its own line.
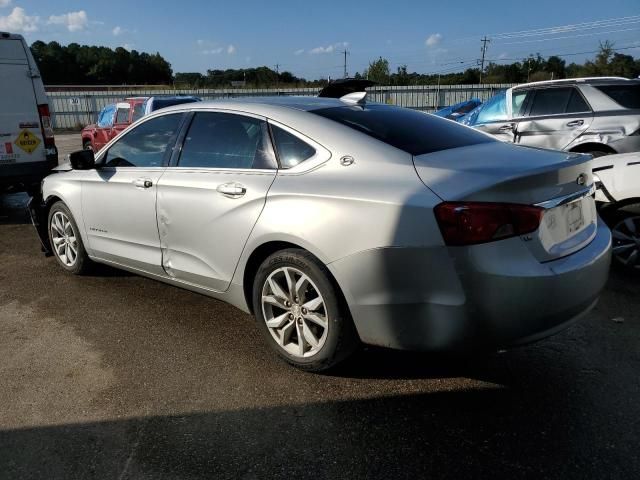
x=335, y=211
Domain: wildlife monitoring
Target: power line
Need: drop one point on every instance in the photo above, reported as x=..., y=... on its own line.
x=484, y=41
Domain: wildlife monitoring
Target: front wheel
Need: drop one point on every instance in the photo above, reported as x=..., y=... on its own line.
x=300, y=312
x=66, y=243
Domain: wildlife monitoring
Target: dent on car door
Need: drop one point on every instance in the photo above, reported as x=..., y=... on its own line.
x=554, y=118
x=210, y=201
x=493, y=118
x=119, y=197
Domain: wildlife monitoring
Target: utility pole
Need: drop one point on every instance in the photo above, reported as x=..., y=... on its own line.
x=277, y=77
x=484, y=41
x=345, y=52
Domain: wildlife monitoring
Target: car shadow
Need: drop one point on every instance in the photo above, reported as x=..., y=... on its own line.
x=13, y=209
x=485, y=432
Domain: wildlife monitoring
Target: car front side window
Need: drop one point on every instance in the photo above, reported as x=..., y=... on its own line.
x=147, y=145
x=225, y=140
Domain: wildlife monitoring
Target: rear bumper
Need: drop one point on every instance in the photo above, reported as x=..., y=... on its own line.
x=485, y=296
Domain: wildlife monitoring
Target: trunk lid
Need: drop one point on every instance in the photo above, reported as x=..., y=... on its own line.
x=496, y=172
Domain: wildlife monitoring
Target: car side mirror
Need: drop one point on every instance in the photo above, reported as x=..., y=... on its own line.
x=82, y=160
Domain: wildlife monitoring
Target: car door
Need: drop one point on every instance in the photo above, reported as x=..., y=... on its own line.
x=122, y=119
x=119, y=197
x=102, y=133
x=493, y=118
x=554, y=118
x=210, y=200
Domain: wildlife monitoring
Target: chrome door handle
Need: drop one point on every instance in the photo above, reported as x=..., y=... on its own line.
x=143, y=183
x=232, y=190
x=575, y=123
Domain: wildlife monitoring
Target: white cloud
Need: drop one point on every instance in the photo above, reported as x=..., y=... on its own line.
x=329, y=48
x=74, y=21
x=5, y=3
x=117, y=30
x=128, y=46
x=214, y=48
x=299, y=52
x=433, y=40
x=19, y=22
x=212, y=51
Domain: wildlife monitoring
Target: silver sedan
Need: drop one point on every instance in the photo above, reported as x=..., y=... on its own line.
x=336, y=222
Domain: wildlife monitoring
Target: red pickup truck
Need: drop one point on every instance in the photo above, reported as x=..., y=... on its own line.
x=112, y=120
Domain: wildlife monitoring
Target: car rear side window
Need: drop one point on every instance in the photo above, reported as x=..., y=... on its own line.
x=122, y=115
x=409, y=130
x=138, y=112
x=291, y=150
x=147, y=145
x=627, y=96
x=577, y=104
x=224, y=140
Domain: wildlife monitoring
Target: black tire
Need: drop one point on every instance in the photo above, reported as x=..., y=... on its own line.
x=87, y=145
x=82, y=263
x=341, y=339
x=614, y=220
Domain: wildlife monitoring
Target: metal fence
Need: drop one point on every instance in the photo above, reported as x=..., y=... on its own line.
x=73, y=109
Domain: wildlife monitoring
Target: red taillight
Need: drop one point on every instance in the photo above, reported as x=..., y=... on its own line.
x=45, y=123
x=467, y=223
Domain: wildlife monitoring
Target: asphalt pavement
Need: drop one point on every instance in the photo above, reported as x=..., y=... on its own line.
x=116, y=376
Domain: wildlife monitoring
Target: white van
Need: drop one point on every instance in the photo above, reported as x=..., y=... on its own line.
x=27, y=147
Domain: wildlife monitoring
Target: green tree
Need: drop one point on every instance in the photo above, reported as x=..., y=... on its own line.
x=378, y=71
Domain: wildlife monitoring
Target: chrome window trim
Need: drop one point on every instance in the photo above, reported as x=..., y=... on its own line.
x=556, y=202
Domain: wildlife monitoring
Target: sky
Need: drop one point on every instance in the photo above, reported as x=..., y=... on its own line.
x=307, y=38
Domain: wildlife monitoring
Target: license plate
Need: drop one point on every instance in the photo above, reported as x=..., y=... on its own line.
x=573, y=214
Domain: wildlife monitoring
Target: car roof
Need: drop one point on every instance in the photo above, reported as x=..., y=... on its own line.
x=259, y=105
x=580, y=81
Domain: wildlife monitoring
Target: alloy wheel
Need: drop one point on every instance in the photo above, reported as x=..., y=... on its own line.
x=63, y=236
x=626, y=242
x=295, y=312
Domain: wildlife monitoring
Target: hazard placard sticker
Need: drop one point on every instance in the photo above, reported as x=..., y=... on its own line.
x=27, y=141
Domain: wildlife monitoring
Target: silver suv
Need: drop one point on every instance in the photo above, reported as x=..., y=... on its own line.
x=588, y=115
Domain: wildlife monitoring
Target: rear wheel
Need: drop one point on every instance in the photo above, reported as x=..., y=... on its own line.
x=625, y=230
x=300, y=311
x=66, y=243
x=598, y=153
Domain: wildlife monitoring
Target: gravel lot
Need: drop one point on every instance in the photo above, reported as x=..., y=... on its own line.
x=117, y=376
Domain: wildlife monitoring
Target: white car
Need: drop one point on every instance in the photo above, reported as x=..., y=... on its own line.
x=618, y=181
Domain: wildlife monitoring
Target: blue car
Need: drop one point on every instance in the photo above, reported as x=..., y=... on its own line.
x=459, y=110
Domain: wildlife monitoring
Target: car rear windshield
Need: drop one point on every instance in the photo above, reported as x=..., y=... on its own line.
x=159, y=103
x=412, y=131
x=627, y=96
